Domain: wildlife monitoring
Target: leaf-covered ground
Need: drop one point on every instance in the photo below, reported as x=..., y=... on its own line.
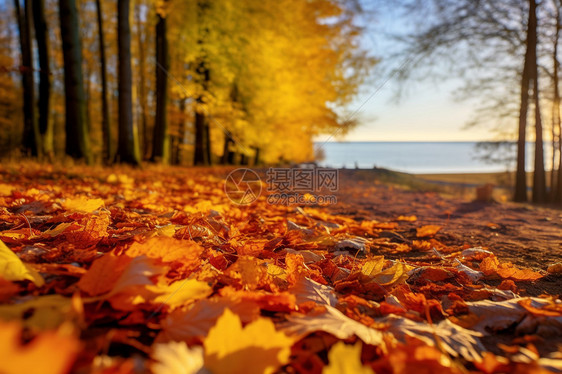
x=155, y=270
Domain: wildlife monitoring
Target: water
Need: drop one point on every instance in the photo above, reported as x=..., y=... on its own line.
x=418, y=157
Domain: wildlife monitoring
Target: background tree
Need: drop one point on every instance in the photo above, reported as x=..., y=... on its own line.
x=556, y=176
x=77, y=137
x=161, y=138
x=41, y=36
x=10, y=92
x=495, y=45
x=528, y=75
x=142, y=32
x=241, y=73
x=106, y=121
x=31, y=144
x=539, y=184
x=128, y=147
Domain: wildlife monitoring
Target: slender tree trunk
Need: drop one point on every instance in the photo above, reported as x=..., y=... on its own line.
x=181, y=137
x=257, y=156
x=88, y=95
x=520, y=176
x=554, y=186
x=539, y=179
x=145, y=144
x=30, y=140
x=202, y=140
x=558, y=197
x=77, y=137
x=106, y=121
x=128, y=147
x=161, y=138
x=201, y=156
x=558, y=189
x=42, y=39
x=208, y=140
x=226, y=148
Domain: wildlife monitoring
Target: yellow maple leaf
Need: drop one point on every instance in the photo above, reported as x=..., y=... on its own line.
x=346, y=359
x=257, y=348
x=180, y=292
x=193, y=323
x=13, y=269
x=82, y=204
x=373, y=266
x=397, y=273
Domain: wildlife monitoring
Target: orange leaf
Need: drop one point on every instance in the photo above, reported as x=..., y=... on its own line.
x=185, y=254
x=407, y=218
x=82, y=204
x=428, y=230
x=111, y=274
x=552, y=310
x=48, y=353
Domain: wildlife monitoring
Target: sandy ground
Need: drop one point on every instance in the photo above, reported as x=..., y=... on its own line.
x=528, y=236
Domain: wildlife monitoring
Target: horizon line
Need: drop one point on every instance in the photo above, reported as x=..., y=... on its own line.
x=417, y=141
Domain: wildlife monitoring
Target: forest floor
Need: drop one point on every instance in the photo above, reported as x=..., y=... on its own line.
x=112, y=269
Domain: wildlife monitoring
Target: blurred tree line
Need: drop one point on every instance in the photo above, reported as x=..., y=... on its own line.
x=176, y=81
x=507, y=53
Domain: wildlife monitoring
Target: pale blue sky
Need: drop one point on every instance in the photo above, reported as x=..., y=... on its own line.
x=426, y=112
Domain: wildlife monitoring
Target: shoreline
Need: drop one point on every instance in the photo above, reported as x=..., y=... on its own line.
x=500, y=179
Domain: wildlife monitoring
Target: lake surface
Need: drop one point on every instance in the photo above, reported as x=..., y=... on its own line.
x=418, y=157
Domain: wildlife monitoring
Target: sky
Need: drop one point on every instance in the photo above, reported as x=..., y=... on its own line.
x=427, y=112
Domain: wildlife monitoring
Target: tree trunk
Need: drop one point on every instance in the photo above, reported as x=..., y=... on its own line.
x=180, y=140
x=145, y=144
x=539, y=180
x=202, y=140
x=161, y=138
x=243, y=159
x=106, y=122
x=557, y=187
x=208, y=140
x=539, y=177
x=257, y=156
x=226, y=148
x=200, y=156
x=42, y=39
x=128, y=148
x=77, y=137
x=554, y=185
x=520, y=176
x=30, y=140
